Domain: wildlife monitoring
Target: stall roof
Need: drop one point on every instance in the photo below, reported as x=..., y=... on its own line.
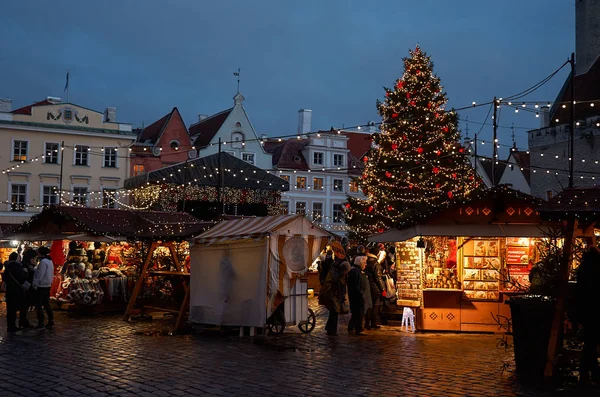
x=58, y=222
x=202, y=171
x=256, y=227
x=449, y=230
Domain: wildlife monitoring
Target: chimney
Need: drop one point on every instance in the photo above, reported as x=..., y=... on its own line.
x=202, y=117
x=544, y=116
x=304, y=121
x=110, y=115
x=5, y=105
x=587, y=34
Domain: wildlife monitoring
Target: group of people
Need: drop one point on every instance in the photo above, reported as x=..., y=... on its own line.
x=368, y=279
x=28, y=278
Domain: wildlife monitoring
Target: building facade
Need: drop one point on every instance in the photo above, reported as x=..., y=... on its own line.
x=161, y=144
x=238, y=137
x=58, y=152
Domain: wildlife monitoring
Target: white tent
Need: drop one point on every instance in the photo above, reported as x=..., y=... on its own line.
x=242, y=269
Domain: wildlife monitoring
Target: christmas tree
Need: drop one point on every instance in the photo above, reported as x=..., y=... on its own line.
x=416, y=165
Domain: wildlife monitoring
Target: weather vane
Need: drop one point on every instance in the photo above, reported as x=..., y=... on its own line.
x=238, y=79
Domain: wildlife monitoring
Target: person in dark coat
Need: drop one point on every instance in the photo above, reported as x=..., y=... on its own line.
x=14, y=277
x=358, y=286
x=325, y=265
x=29, y=263
x=588, y=305
x=375, y=275
x=330, y=295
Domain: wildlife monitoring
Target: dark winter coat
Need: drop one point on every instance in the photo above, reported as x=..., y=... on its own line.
x=324, y=267
x=587, y=293
x=358, y=290
x=14, y=277
x=330, y=294
x=375, y=275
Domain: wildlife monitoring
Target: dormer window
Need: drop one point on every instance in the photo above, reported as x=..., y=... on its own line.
x=174, y=145
x=238, y=125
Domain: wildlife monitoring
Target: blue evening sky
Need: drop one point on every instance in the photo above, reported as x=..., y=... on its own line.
x=333, y=56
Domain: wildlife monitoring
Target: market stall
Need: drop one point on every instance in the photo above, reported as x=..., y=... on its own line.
x=241, y=270
x=457, y=268
x=104, y=250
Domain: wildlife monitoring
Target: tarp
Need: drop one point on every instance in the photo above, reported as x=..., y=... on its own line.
x=462, y=230
x=242, y=269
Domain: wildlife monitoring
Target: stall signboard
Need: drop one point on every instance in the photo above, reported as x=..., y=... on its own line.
x=338, y=250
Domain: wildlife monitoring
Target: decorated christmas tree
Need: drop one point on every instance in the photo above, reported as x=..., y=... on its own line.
x=416, y=165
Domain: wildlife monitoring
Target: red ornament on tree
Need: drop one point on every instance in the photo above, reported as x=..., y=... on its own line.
x=400, y=84
x=450, y=194
x=347, y=205
x=437, y=185
x=394, y=115
x=420, y=150
x=436, y=170
x=429, y=105
x=454, y=175
x=461, y=150
x=394, y=146
x=387, y=94
x=388, y=174
x=439, y=152
x=418, y=71
x=413, y=103
x=445, y=129
x=380, y=230
x=408, y=95
x=370, y=209
x=365, y=159
x=390, y=208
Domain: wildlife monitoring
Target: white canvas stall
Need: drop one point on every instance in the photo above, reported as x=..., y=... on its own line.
x=264, y=256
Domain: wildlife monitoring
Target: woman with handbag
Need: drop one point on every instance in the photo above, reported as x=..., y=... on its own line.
x=16, y=285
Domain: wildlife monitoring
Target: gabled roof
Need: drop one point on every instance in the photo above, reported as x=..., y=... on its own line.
x=204, y=131
x=587, y=88
x=486, y=164
x=288, y=154
x=154, y=130
x=27, y=109
x=523, y=161
x=358, y=143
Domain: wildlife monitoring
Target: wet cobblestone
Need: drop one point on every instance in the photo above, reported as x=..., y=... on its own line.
x=103, y=356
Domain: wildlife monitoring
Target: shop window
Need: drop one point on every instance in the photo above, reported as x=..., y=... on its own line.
x=285, y=178
x=20, y=150
x=338, y=213
x=318, y=158
x=300, y=182
x=49, y=195
x=18, y=197
x=51, y=153
x=338, y=185
x=300, y=208
x=318, y=183
x=108, y=198
x=82, y=155
x=138, y=169
x=338, y=160
x=317, y=212
x=285, y=207
x=80, y=196
x=110, y=157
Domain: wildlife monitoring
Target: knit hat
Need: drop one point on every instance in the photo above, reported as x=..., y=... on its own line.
x=43, y=251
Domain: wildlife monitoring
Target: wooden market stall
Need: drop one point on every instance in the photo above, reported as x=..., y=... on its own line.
x=151, y=231
x=457, y=268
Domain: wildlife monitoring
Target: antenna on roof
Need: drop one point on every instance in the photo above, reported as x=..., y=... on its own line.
x=512, y=128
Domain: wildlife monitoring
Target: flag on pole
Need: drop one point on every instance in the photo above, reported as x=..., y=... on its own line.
x=67, y=83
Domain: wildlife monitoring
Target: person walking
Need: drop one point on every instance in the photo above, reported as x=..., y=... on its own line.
x=330, y=295
x=358, y=293
x=16, y=283
x=377, y=287
x=42, y=281
x=587, y=295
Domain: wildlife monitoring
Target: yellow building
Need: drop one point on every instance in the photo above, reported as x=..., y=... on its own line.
x=54, y=149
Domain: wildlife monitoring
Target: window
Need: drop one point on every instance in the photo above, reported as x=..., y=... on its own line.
x=549, y=194
x=318, y=183
x=18, y=197
x=174, y=145
x=285, y=207
x=317, y=212
x=108, y=198
x=51, y=153
x=338, y=160
x=285, y=177
x=237, y=140
x=110, y=157
x=300, y=182
x=338, y=185
x=49, y=195
x=354, y=187
x=81, y=155
x=138, y=169
x=19, y=150
x=300, y=207
x=318, y=158
x=338, y=213
x=248, y=157
x=80, y=195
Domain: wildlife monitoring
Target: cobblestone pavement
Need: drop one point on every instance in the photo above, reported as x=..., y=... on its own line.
x=102, y=355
